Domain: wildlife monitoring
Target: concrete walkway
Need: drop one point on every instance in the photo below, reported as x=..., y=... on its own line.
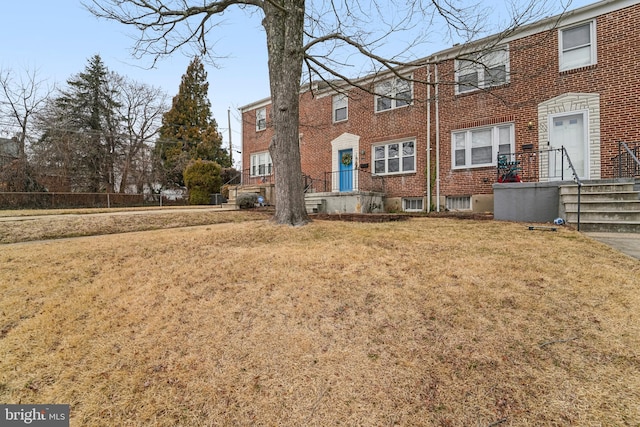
x=627, y=243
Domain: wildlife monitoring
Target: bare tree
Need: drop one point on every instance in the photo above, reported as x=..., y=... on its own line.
x=321, y=37
x=21, y=98
x=141, y=108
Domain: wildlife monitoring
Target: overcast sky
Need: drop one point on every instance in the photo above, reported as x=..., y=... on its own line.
x=57, y=37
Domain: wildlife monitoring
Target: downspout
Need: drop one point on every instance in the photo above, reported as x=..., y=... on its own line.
x=428, y=137
x=437, y=139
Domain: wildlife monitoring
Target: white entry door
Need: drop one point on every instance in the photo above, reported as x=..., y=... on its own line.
x=568, y=131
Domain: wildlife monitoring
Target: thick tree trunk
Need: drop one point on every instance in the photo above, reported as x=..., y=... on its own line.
x=284, y=25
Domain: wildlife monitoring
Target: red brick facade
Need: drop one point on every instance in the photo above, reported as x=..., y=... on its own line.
x=534, y=80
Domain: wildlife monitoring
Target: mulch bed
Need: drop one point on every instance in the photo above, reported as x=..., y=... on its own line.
x=358, y=217
x=387, y=217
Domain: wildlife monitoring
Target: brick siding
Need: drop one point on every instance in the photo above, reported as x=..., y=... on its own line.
x=535, y=78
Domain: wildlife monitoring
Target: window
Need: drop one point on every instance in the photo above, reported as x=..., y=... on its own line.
x=340, y=103
x=577, y=46
x=393, y=93
x=412, y=205
x=480, y=147
x=261, y=118
x=458, y=203
x=482, y=71
x=397, y=157
x=261, y=164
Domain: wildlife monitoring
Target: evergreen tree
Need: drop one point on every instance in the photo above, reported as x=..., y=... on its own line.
x=91, y=108
x=188, y=131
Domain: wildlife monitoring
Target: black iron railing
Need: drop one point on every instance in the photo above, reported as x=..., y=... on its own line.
x=576, y=178
x=626, y=163
x=245, y=178
x=353, y=180
x=532, y=165
x=266, y=177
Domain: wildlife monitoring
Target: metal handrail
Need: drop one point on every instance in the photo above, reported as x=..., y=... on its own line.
x=526, y=164
x=576, y=178
x=237, y=176
x=633, y=163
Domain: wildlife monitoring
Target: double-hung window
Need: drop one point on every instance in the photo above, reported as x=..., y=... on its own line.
x=479, y=147
x=261, y=118
x=340, y=104
x=482, y=70
x=577, y=46
x=394, y=158
x=261, y=164
x=393, y=93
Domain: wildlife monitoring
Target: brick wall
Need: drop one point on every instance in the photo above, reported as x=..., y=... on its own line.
x=317, y=130
x=535, y=79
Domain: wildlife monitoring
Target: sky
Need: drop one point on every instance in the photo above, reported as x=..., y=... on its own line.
x=57, y=37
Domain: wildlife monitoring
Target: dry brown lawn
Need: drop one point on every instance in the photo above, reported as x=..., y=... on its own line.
x=425, y=322
x=55, y=224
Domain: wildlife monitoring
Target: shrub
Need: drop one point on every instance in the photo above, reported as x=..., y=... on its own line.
x=202, y=178
x=225, y=191
x=246, y=200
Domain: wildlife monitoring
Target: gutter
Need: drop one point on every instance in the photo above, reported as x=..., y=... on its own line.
x=437, y=140
x=428, y=138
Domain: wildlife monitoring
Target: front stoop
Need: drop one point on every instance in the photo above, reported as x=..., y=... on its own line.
x=605, y=205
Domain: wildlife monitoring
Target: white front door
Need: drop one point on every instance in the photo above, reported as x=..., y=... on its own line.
x=568, y=131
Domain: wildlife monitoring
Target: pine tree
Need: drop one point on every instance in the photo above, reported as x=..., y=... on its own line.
x=188, y=131
x=91, y=108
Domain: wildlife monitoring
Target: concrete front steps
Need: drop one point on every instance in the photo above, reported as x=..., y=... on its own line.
x=314, y=204
x=605, y=206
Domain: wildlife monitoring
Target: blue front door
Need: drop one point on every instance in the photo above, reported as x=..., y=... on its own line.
x=345, y=175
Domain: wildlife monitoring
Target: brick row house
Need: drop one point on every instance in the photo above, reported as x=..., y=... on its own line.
x=435, y=141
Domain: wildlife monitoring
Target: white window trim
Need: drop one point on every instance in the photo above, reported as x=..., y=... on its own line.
x=344, y=142
x=261, y=117
x=495, y=143
x=593, y=45
x=458, y=200
x=392, y=94
x=342, y=98
x=487, y=61
x=405, y=199
x=400, y=157
x=254, y=163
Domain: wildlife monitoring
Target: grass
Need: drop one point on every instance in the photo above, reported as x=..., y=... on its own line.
x=425, y=322
x=43, y=225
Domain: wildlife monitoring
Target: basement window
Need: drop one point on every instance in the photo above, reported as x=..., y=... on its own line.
x=458, y=203
x=414, y=204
